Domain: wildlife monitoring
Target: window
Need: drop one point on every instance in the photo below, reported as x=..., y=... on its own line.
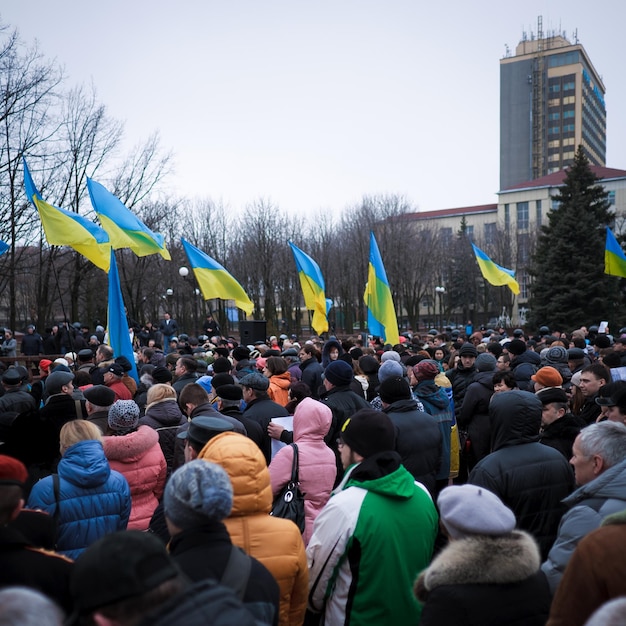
x=446, y=236
x=555, y=203
x=490, y=233
x=538, y=205
x=522, y=215
x=611, y=198
x=470, y=232
x=507, y=216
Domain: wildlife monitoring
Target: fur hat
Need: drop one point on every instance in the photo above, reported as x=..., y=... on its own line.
x=123, y=416
x=222, y=365
x=486, y=362
x=221, y=379
x=162, y=375
x=339, y=373
x=548, y=376
x=516, y=347
x=229, y=392
x=197, y=493
x=472, y=510
x=369, y=432
x=555, y=394
x=369, y=364
x=241, y=353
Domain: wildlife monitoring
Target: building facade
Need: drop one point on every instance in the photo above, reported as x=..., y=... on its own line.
x=551, y=101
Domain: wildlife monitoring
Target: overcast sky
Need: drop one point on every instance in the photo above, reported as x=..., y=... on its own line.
x=313, y=105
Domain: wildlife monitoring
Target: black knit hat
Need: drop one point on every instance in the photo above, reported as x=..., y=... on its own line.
x=369, y=432
x=468, y=349
x=229, y=392
x=119, y=566
x=339, y=373
x=394, y=389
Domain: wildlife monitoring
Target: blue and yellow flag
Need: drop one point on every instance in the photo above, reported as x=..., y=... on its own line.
x=381, y=315
x=214, y=280
x=117, y=322
x=495, y=274
x=614, y=259
x=66, y=228
x=313, y=288
x=125, y=229
x=4, y=246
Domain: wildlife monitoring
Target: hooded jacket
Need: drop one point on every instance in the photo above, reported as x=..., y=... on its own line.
x=460, y=377
x=312, y=371
x=139, y=458
x=369, y=543
x=485, y=580
x=276, y=542
x=316, y=461
x=94, y=500
x=418, y=441
x=530, y=478
x=588, y=506
x=165, y=417
x=523, y=366
x=328, y=346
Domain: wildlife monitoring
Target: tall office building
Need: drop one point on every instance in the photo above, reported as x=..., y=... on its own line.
x=551, y=101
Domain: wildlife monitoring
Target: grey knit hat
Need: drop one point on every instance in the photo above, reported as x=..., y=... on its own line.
x=197, y=493
x=486, y=362
x=556, y=354
x=471, y=510
x=123, y=416
x=390, y=369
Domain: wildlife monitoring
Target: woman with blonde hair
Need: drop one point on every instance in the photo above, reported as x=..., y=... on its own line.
x=163, y=415
x=87, y=498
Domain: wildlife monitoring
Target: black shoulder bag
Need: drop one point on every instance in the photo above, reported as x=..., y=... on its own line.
x=289, y=503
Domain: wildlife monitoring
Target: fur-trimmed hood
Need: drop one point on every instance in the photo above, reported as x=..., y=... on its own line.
x=481, y=559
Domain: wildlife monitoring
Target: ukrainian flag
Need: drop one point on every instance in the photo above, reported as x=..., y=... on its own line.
x=381, y=315
x=495, y=274
x=125, y=229
x=214, y=280
x=66, y=228
x=4, y=246
x=614, y=259
x=313, y=288
x=117, y=322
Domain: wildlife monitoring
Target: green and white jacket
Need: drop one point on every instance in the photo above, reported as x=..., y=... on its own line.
x=369, y=543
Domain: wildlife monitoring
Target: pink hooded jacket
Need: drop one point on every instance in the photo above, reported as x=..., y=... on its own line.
x=138, y=456
x=317, y=467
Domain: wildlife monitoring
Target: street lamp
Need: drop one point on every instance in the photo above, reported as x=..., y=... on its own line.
x=184, y=273
x=440, y=290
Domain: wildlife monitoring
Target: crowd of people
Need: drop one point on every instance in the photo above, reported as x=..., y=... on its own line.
x=454, y=478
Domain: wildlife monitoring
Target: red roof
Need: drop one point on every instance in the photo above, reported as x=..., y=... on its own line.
x=468, y=210
x=557, y=179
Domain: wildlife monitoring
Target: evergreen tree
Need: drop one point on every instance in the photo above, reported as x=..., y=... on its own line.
x=569, y=286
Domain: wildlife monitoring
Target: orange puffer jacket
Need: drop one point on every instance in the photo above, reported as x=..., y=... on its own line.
x=275, y=542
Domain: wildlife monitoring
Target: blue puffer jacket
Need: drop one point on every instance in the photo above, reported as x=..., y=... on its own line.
x=93, y=499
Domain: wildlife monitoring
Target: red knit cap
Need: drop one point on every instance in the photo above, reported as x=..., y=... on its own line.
x=12, y=471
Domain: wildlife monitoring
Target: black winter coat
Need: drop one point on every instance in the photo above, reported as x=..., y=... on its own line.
x=523, y=367
x=312, y=371
x=530, y=478
x=460, y=378
x=203, y=552
x=560, y=435
x=474, y=415
x=418, y=441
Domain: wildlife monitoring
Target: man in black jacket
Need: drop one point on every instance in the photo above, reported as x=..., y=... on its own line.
x=559, y=427
x=197, y=498
x=530, y=478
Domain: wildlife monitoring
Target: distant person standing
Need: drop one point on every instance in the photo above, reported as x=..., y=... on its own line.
x=168, y=329
x=211, y=327
x=32, y=343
